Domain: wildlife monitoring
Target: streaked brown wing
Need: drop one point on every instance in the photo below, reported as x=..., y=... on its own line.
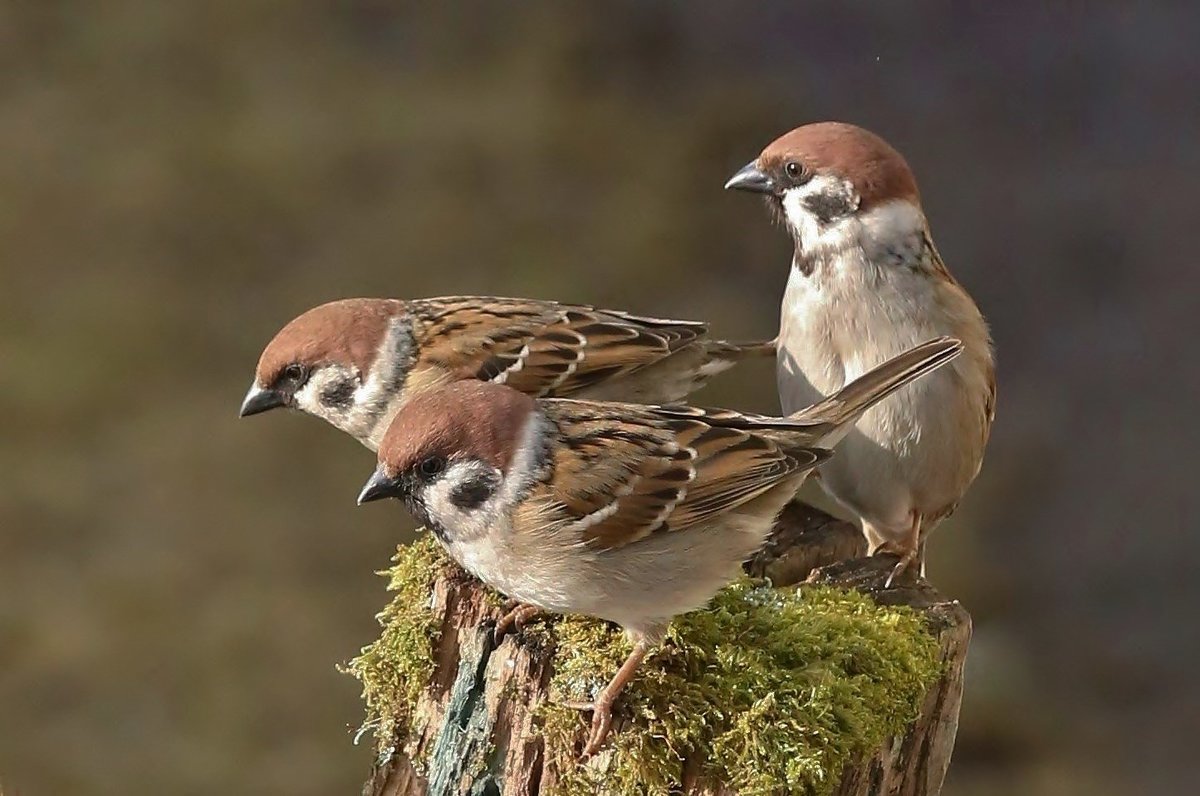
x=627, y=471
x=460, y=334
x=733, y=466
x=542, y=348
x=582, y=347
x=617, y=474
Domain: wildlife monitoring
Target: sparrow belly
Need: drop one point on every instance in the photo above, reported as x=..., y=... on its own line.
x=646, y=583
x=641, y=585
x=907, y=452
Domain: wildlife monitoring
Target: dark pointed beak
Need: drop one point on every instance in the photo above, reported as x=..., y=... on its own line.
x=260, y=399
x=750, y=178
x=379, y=486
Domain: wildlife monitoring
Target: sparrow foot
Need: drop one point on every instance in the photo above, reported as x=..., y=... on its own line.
x=601, y=710
x=517, y=616
x=602, y=718
x=911, y=549
x=602, y=706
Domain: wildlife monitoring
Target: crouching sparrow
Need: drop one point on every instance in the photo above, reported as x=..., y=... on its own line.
x=355, y=362
x=630, y=513
x=866, y=283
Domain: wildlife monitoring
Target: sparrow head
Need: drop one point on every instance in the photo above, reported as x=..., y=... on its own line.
x=449, y=452
x=338, y=361
x=820, y=176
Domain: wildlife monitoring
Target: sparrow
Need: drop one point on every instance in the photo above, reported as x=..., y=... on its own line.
x=626, y=512
x=866, y=283
x=355, y=362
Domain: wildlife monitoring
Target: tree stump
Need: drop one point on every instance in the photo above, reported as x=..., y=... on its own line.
x=475, y=729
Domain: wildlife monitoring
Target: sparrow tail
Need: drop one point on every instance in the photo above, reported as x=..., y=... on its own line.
x=842, y=409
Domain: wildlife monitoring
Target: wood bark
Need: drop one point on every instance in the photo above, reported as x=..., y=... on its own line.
x=475, y=724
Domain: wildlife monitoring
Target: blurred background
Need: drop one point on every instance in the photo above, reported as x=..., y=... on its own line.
x=177, y=180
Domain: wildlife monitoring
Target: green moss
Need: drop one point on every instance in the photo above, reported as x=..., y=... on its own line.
x=395, y=667
x=773, y=690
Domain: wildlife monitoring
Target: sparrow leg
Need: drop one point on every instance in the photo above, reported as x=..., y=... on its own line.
x=517, y=615
x=602, y=705
x=910, y=549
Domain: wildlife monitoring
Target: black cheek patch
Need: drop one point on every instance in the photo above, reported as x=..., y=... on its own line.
x=827, y=207
x=338, y=396
x=475, y=492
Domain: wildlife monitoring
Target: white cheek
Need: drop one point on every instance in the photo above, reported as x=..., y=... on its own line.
x=330, y=377
x=308, y=397
x=809, y=231
x=803, y=223
x=463, y=523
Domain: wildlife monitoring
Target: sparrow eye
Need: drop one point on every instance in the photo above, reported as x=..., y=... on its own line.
x=431, y=466
x=794, y=170
x=295, y=372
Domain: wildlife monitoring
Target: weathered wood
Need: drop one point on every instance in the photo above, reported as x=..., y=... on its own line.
x=476, y=722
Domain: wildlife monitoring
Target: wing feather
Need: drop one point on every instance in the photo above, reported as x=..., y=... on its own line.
x=541, y=347
x=624, y=472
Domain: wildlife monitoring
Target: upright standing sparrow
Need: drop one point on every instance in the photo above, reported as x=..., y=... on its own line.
x=355, y=362
x=626, y=512
x=867, y=283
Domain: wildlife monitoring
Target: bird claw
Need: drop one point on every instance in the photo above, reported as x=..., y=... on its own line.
x=517, y=616
x=911, y=549
x=906, y=561
x=601, y=725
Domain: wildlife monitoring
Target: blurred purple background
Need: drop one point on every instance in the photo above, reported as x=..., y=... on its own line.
x=179, y=179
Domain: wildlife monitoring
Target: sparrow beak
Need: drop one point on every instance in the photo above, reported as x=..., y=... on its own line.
x=260, y=399
x=750, y=178
x=379, y=486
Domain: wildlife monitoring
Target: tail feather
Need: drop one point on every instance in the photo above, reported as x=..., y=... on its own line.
x=721, y=355
x=737, y=351
x=842, y=409
x=756, y=348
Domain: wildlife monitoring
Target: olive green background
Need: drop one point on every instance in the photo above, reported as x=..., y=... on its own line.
x=179, y=179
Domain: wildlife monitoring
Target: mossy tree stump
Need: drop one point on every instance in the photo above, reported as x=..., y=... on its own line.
x=454, y=714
